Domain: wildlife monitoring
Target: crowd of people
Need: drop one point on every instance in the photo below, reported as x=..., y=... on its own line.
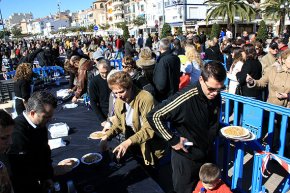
x=145, y=102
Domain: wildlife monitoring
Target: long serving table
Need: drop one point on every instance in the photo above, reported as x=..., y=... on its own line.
x=106, y=176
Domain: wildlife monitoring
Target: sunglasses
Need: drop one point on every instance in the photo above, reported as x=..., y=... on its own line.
x=210, y=89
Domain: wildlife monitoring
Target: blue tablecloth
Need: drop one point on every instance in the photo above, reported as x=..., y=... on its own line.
x=104, y=177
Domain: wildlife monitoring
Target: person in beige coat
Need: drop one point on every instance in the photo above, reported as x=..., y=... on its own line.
x=131, y=108
x=277, y=78
x=269, y=59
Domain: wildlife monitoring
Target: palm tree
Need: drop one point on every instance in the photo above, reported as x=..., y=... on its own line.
x=228, y=9
x=276, y=9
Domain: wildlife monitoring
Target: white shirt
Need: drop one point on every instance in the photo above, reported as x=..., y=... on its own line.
x=229, y=34
x=28, y=120
x=233, y=78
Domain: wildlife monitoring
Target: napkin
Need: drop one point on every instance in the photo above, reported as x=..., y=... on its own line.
x=56, y=143
x=58, y=130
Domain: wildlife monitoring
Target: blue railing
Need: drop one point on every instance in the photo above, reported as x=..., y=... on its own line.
x=251, y=114
x=44, y=71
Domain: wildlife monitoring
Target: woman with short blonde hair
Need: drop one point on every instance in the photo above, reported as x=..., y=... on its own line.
x=131, y=108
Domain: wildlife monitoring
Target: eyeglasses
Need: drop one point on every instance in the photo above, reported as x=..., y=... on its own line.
x=126, y=66
x=210, y=89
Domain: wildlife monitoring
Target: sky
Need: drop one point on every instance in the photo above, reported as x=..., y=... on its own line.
x=41, y=8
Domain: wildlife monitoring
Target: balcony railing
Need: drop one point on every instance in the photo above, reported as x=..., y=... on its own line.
x=117, y=12
x=117, y=3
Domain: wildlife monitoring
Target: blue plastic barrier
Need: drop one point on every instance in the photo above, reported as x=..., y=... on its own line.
x=116, y=63
x=44, y=71
x=252, y=118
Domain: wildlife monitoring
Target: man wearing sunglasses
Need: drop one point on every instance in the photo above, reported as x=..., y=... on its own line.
x=194, y=114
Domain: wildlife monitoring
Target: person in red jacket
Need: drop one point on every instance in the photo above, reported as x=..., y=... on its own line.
x=282, y=45
x=210, y=180
x=119, y=47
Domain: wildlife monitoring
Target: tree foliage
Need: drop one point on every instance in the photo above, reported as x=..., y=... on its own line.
x=16, y=31
x=215, y=31
x=6, y=33
x=262, y=32
x=274, y=9
x=166, y=30
x=228, y=9
x=124, y=27
x=104, y=26
x=91, y=27
x=140, y=20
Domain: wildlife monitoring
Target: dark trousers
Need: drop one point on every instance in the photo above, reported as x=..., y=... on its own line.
x=184, y=173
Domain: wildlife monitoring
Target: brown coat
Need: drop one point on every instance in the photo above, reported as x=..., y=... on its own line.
x=152, y=147
x=278, y=80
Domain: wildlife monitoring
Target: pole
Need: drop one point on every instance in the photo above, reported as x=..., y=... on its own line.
x=184, y=16
x=2, y=23
x=163, y=12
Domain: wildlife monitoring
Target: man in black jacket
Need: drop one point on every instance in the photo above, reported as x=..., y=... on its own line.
x=99, y=91
x=194, y=113
x=30, y=155
x=166, y=72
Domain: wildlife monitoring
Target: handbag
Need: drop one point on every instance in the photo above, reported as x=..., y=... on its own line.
x=184, y=80
x=239, y=90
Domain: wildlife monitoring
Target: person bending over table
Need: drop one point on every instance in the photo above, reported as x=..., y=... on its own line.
x=131, y=108
x=30, y=155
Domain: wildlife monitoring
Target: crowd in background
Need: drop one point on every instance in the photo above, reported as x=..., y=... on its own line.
x=142, y=98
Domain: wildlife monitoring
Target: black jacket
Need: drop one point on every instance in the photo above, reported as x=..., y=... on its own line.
x=129, y=50
x=99, y=93
x=254, y=69
x=166, y=75
x=192, y=115
x=214, y=53
x=22, y=89
x=29, y=156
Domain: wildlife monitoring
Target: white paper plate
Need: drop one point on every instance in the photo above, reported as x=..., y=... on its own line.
x=251, y=138
x=98, y=156
x=70, y=106
x=245, y=132
x=94, y=135
x=63, y=162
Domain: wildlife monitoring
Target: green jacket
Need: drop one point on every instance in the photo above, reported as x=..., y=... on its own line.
x=152, y=147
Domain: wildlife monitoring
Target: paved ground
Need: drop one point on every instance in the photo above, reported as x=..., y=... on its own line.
x=272, y=183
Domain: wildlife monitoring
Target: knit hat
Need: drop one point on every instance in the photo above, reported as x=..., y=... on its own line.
x=145, y=58
x=97, y=55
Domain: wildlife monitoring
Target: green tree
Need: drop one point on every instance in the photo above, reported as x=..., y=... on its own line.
x=104, y=26
x=16, y=31
x=91, y=27
x=6, y=33
x=166, y=30
x=215, y=31
x=140, y=20
x=262, y=32
x=82, y=28
x=228, y=9
x=124, y=27
x=277, y=10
